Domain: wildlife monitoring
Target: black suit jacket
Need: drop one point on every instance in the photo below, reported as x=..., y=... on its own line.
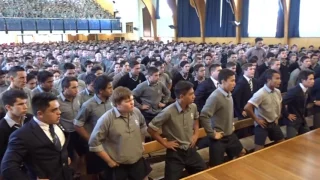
x=294, y=102
x=242, y=93
x=31, y=146
x=5, y=132
x=203, y=92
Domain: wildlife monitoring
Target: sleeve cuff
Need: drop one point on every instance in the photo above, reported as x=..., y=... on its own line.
x=253, y=103
x=96, y=148
x=78, y=123
x=153, y=127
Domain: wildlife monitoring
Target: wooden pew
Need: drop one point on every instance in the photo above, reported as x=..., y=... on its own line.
x=247, y=143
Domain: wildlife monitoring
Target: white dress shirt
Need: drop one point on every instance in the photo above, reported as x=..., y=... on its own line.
x=215, y=82
x=304, y=89
x=57, y=130
x=11, y=122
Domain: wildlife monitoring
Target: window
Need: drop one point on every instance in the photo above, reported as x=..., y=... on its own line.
x=164, y=9
x=309, y=26
x=263, y=15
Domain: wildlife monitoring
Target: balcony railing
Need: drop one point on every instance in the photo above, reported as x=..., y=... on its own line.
x=46, y=24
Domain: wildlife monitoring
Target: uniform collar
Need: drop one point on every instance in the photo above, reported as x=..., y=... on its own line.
x=268, y=89
x=11, y=122
x=179, y=108
x=304, y=89
x=118, y=114
x=88, y=92
x=224, y=92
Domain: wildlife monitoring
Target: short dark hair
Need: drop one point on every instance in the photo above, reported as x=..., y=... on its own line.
x=13, y=71
x=152, y=70
x=270, y=55
x=225, y=74
x=197, y=67
x=122, y=63
x=9, y=97
x=133, y=63
x=120, y=94
x=273, y=61
x=43, y=76
x=158, y=63
x=253, y=59
x=87, y=63
x=30, y=76
x=182, y=87
x=245, y=66
x=258, y=39
x=41, y=102
x=304, y=74
x=303, y=58
x=65, y=83
x=230, y=64
x=313, y=55
x=213, y=67
x=269, y=74
x=96, y=68
x=90, y=78
x=207, y=54
x=68, y=66
x=101, y=83
x=183, y=63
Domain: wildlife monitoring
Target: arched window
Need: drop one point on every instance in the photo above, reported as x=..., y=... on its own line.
x=309, y=25
x=263, y=15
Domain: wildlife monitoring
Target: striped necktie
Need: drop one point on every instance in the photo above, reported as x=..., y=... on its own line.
x=251, y=85
x=55, y=138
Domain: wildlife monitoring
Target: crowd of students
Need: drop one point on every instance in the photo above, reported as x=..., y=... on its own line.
x=53, y=9
x=65, y=105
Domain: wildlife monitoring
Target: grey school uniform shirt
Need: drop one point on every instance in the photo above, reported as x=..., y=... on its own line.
x=152, y=95
x=267, y=104
x=176, y=124
x=69, y=110
x=119, y=136
x=217, y=113
x=39, y=90
x=85, y=95
x=90, y=112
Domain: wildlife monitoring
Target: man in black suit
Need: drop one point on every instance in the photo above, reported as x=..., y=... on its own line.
x=41, y=145
x=15, y=102
x=204, y=89
x=295, y=104
x=246, y=86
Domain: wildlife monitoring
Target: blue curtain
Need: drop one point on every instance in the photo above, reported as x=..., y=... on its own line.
x=294, y=15
x=280, y=21
x=188, y=20
x=227, y=28
x=212, y=27
x=157, y=10
x=245, y=18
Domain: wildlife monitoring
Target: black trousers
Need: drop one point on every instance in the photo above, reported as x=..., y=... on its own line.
x=176, y=161
x=229, y=144
x=136, y=171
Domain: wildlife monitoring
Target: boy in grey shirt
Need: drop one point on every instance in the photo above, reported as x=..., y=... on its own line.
x=217, y=119
x=265, y=109
x=118, y=136
x=179, y=123
x=153, y=95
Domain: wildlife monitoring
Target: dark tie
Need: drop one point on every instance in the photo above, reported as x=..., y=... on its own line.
x=17, y=126
x=55, y=138
x=251, y=85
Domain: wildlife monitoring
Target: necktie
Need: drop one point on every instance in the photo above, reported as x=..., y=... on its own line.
x=55, y=138
x=17, y=126
x=251, y=85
